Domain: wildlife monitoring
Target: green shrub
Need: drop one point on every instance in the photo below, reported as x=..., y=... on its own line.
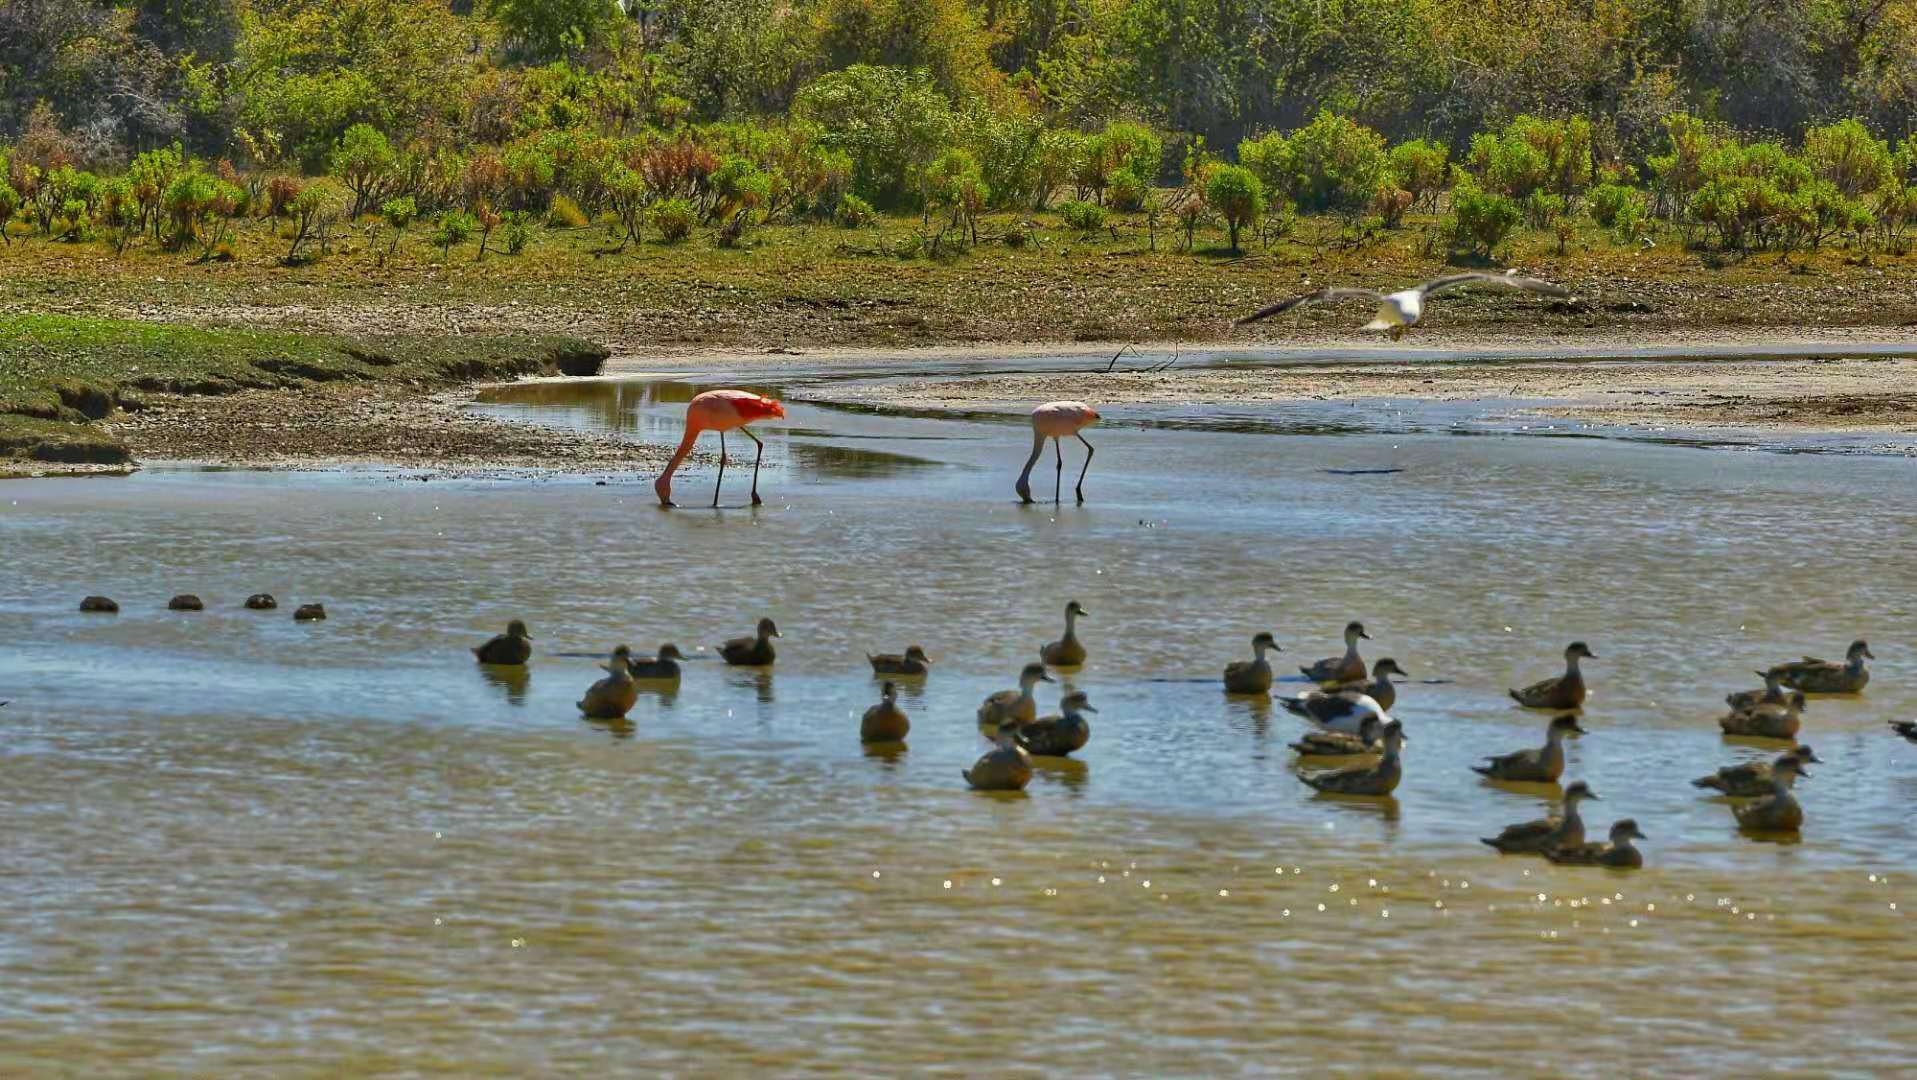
x=398, y=214
x=456, y=227
x=519, y=231
x=856, y=213
x=1481, y=219
x=1849, y=157
x=890, y=121
x=1420, y=169
x=674, y=218
x=9, y=206
x=364, y=162
x=1126, y=193
x=1609, y=202
x=1542, y=210
x=1086, y=217
x=1234, y=194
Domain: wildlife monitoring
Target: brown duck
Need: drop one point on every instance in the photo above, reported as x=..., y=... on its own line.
x=662, y=666
x=1814, y=676
x=1778, y=811
x=1379, y=779
x=1010, y=708
x=911, y=664
x=1772, y=694
x=1252, y=676
x=510, y=648
x=1767, y=721
x=1380, y=689
x=1751, y=780
x=1563, y=692
x=1618, y=854
x=754, y=651
x=612, y=697
x=1561, y=830
x=1340, y=743
x=885, y=722
x=1538, y=765
x=1058, y=736
x=1339, y=670
x=1006, y=767
x=1067, y=651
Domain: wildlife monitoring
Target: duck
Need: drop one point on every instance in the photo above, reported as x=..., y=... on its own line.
x=1906, y=728
x=914, y=662
x=309, y=613
x=1338, y=670
x=1564, y=692
x=186, y=602
x=1767, y=721
x=1560, y=830
x=662, y=666
x=1338, y=743
x=514, y=647
x=612, y=697
x=1778, y=811
x=1752, y=779
x=1342, y=711
x=1252, y=676
x=754, y=651
x=1005, y=767
x=1539, y=765
x=1619, y=853
x=1010, y=708
x=1067, y=651
x=102, y=605
x=1378, y=779
x=1772, y=694
x=1814, y=676
x=1058, y=736
x=1380, y=688
x=885, y=722
x=261, y=601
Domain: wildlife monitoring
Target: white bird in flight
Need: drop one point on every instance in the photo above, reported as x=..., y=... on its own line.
x=1401, y=310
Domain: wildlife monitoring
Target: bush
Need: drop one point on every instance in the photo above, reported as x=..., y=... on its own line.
x=1086, y=217
x=1481, y=219
x=565, y=214
x=890, y=121
x=518, y=231
x=1420, y=169
x=674, y=219
x=455, y=227
x=1849, y=157
x=398, y=214
x=9, y=206
x=364, y=162
x=1126, y=193
x=1610, y=201
x=856, y=213
x=1235, y=194
x=1020, y=235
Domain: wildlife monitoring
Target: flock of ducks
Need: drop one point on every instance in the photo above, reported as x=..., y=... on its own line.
x=1350, y=718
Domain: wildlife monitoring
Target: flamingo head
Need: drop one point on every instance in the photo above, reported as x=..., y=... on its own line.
x=760, y=408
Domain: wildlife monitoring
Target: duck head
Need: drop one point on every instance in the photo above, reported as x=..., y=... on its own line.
x=1624, y=831
x=1578, y=650
x=1560, y=726
x=1355, y=632
x=1388, y=666
x=1394, y=737
x=1074, y=610
x=1787, y=770
x=1032, y=676
x=1806, y=756
x=669, y=651
x=1263, y=642
x=1077, y=702
x=517, y=629
x=1798, y=701
x=621, y=659
x=916, y=653
x=1578, y=792
x=889, y=691
x=768, y=629
x=1859, y=652
x=1371, y=728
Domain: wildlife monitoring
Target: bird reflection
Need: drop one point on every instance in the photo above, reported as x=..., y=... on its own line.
x=1069, y=773
x=620, y=728
x=889, y=755
x=1256, y=708
x=1367, y=805
x=510, y=681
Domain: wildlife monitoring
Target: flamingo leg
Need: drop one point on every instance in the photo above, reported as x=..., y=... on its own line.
x=756, y=501
x=1088, y=468
x=1058, y=474
x=722, y=471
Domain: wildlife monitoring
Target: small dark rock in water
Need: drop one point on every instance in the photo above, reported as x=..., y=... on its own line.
x=262, y=601
x=185, y=602
x=309, y=613
x=100, y=604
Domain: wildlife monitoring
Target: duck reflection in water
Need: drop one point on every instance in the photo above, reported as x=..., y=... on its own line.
x=510, y=681
x=620, y=728
x=1067, y=772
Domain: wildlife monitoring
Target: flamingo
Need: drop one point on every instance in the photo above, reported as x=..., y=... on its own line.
x=1054, y=420
x=720, y=411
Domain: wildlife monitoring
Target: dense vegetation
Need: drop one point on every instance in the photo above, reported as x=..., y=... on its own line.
x=1735, y=124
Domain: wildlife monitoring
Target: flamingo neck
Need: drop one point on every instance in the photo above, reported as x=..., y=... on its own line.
x=1038, y=447
x=663, y=485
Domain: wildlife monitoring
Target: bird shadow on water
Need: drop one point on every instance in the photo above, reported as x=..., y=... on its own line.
x=1385, y=808
x=759, y=680
x=1252, y=711
x=888, y=755
x=1068, y=773
x=509, y=681
x=620, y=728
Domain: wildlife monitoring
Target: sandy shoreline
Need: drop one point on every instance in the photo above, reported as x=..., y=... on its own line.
x=1844, y=389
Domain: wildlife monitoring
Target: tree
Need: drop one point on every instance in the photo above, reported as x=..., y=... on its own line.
x=550, y=29
x=364, y=162
x=1237, y=197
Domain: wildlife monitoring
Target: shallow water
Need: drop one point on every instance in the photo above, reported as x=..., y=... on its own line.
x=230, y=840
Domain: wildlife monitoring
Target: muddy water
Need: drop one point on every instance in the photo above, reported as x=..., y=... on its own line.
x=230, y=843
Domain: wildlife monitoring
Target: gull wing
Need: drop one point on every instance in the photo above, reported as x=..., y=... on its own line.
x=1321, y=296
x=1509, y=280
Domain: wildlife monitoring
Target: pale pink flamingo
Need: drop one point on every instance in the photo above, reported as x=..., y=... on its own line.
x=720, y=411
x=1054, y=420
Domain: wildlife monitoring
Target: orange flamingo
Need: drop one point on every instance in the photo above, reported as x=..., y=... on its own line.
x=1054, y=420
x=720, y=411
